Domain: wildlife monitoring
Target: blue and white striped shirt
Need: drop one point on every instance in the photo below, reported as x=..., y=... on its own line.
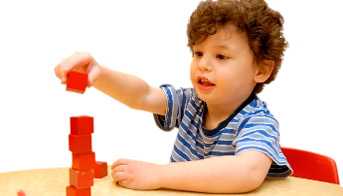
x=250, y=127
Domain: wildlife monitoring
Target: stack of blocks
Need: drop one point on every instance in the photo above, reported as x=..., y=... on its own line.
x=84, y=165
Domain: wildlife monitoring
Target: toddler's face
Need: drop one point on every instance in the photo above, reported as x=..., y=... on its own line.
x=223, y=69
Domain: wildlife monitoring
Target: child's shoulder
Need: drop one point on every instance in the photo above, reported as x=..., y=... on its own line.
x=257, y=111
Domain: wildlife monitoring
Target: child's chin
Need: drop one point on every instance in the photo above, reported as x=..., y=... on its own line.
x=203, y=97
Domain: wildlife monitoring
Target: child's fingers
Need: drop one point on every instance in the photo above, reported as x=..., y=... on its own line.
x=119, y=176
x=119, y=168
x=60, y=72
x=120, y=162
x=124, y=183
x=62, y=69
x=78, y=62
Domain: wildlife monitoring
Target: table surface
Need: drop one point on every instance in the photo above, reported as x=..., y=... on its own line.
x=52, y=182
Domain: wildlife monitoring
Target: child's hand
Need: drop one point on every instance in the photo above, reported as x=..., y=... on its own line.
x=136, y=174
x=82, y=62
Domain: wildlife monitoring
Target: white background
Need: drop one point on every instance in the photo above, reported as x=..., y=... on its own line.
x=148, y=39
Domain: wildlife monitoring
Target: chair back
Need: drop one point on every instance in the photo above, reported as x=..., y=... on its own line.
x=311, y=165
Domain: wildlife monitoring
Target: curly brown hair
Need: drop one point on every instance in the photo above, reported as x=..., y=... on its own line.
x=262, y=25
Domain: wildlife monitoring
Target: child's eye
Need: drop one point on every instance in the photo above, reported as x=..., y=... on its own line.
x=221, y=57
x=198, y=54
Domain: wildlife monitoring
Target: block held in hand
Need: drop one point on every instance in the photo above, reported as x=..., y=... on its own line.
x=77, y=81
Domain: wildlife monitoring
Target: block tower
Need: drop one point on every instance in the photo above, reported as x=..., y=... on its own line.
x=84, y=165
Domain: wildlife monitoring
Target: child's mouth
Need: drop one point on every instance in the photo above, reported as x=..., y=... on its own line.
x=205, y=85
x=205, y=82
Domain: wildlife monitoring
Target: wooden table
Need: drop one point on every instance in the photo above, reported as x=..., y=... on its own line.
x=52, y=182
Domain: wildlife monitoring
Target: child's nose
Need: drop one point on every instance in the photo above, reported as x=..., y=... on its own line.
x=205, y=64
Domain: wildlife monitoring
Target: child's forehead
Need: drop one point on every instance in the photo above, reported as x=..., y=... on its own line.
x=226, y=37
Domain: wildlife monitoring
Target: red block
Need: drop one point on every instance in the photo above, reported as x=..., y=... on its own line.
x=81, y=125
x=21, y=193
x=84, y=161
x=77, y=81
x=80, y=143
x=73, y=191
x=81, y=179
x=100, y=169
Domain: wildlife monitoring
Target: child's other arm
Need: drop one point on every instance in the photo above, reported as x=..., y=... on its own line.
x=128, y=89
x=224, y=174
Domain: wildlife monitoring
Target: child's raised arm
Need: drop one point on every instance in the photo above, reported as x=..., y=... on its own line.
x=128, y=89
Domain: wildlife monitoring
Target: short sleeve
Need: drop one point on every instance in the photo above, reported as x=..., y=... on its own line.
x=175, y=101
x=261, y=133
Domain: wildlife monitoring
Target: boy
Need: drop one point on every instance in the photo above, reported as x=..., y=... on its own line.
x=228, y=141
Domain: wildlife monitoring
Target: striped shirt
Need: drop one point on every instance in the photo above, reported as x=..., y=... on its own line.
x=250, y=127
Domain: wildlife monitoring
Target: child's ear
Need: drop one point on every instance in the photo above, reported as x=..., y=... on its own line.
x=264, y=70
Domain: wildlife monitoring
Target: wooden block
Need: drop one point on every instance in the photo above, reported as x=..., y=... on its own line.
x=81, y=125
x=83, y=161
x=100, y=169
x=77, y=81
x=21, y=193
x=73, y=191
x=80, y=143
x=81, y=179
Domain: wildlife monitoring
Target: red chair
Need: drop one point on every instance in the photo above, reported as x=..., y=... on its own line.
x=311, y=165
